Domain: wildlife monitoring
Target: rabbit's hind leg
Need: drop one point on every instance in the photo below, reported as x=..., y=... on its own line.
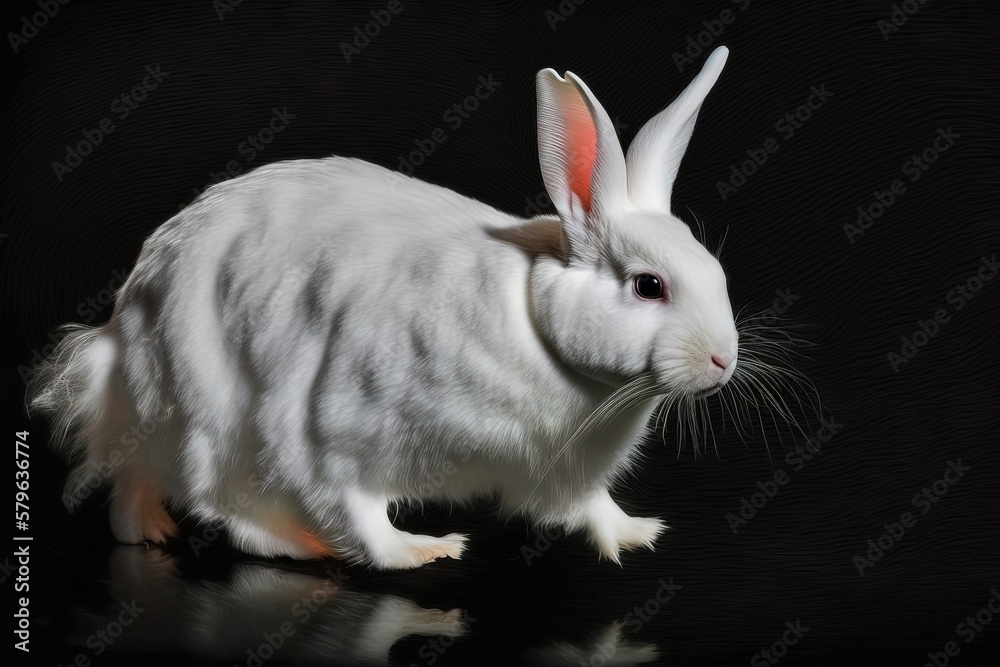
x=386, y=547
x=279, y=536
x=137, y=511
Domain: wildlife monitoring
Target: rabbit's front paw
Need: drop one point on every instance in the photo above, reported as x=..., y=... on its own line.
x=612, y=531
x=625, y=533
x=639, y=532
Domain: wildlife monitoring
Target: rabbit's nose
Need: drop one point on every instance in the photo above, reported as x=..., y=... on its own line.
x=722, y=361
x=722, y=367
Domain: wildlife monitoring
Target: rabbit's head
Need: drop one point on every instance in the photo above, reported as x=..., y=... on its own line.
x=629, y=289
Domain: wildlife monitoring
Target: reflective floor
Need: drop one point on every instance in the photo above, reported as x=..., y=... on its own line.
x=703, y=597
x=263, y=612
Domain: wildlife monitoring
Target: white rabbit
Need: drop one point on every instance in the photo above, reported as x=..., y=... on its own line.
x=311, y=343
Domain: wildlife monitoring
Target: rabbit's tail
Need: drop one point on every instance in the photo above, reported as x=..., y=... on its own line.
x=79, y=388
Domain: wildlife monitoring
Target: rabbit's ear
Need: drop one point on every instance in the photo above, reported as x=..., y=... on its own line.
x=581, y=160
x=656, y=152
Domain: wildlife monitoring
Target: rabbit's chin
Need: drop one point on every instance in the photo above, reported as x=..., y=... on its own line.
x=705, y=393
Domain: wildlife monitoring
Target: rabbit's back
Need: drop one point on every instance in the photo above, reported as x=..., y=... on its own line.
x=317, y=316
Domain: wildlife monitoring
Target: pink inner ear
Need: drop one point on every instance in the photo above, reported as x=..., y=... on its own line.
x=581, y=140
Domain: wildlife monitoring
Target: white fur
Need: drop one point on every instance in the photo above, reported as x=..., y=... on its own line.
x=328, y=338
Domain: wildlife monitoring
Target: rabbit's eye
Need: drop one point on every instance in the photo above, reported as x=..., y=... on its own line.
x=648, y=286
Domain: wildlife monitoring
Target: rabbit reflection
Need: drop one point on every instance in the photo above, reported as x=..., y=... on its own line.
x=266, y=615
x=261, y=613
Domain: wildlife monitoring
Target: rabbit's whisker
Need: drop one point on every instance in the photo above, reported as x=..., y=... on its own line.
x=641, y=388
x=764, y=381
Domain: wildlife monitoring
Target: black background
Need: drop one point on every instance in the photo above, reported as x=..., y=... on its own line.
x=63, y=241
